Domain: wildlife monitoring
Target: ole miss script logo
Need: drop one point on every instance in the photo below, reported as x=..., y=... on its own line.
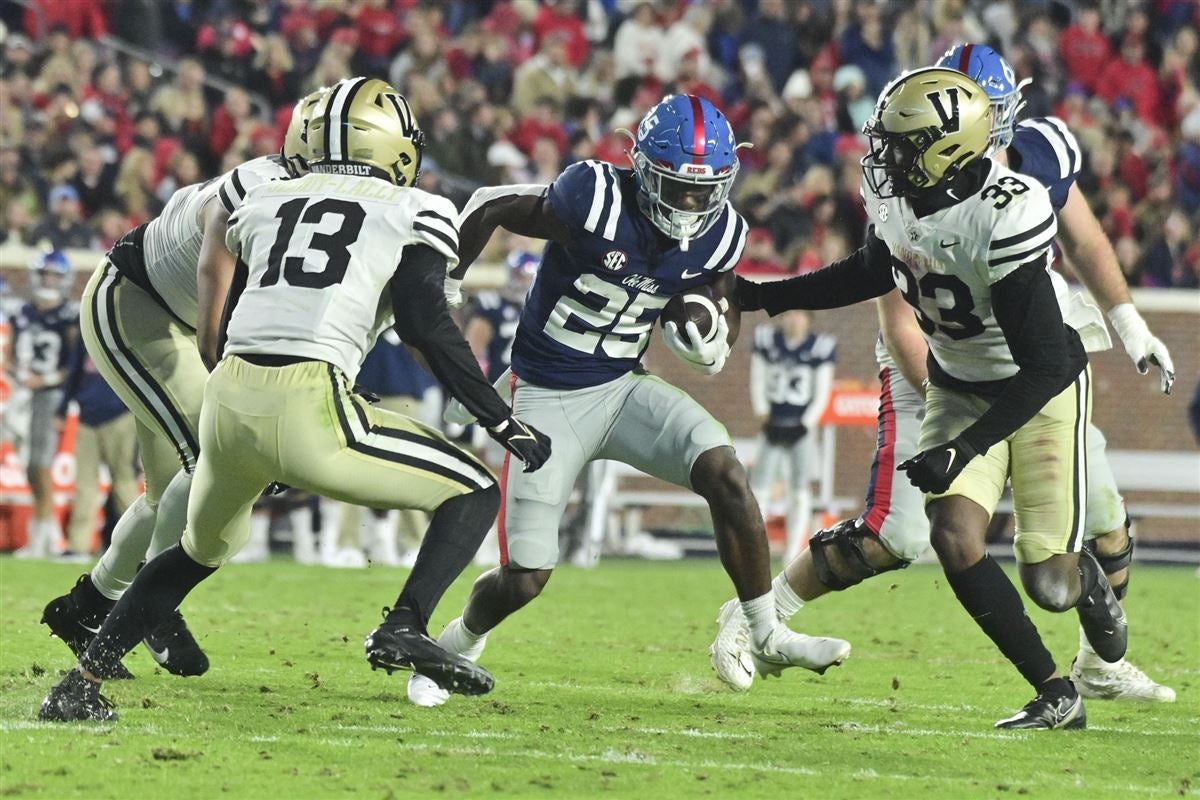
x=615, y=260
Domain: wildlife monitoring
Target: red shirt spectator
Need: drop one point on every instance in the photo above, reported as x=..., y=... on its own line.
x=1132, y=78
x=379, y=29
x=564, y=16
x=79, y=17
x=530, y=129
x=1085, y=49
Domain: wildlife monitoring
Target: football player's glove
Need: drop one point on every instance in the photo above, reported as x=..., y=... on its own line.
x=933, y=470
x=366, y=394
x=706, y=357
x=453, y=291
x=523, y=441
x=748, y=295
x=1142, y=346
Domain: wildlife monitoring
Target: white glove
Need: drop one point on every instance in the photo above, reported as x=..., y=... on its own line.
x=1142, y=346
x=453, y=292
x=707, y=357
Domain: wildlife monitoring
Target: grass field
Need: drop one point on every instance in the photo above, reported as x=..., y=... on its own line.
x=603, y=689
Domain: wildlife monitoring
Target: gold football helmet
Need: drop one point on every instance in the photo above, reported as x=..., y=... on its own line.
x=295, y=142
x=362, y=126
x=927, y=125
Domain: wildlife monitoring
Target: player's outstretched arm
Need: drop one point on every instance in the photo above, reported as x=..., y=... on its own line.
x=423, y=321
x=214, y=276
x=1088, y=249
x=862, y=275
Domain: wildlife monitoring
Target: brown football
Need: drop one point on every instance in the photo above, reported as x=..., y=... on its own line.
x=701, y=305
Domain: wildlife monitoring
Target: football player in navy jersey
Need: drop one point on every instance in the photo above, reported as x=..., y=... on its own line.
x=791, y=377
x=493, y=316
x=1044, y=149
x=621, y=243
x=45, y=334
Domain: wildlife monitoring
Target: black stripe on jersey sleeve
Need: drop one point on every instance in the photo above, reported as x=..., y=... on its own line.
x=237, y=185
x=434, y=232
x=1033, y=251
x=999, y=244
x=1057, y=128
x=427, y=213
x=225, y=201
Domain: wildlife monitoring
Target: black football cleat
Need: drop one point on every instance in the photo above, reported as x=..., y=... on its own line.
x=76, y=617
x=175, y=649
x=394, y=647
x=1048, y=712
x=76, y=699
x=1100, y=613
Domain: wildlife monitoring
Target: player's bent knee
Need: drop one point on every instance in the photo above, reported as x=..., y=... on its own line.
x=1051, y=593
x=525, y=583
x=849, y=553
x=718, y=476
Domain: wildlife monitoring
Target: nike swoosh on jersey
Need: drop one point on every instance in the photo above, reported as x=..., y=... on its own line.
x=953, y=455
x=948, y=244
x=687, y=273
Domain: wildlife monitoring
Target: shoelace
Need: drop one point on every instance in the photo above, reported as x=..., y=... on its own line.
x=1129, y=672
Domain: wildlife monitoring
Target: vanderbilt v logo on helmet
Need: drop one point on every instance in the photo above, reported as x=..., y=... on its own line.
x=927, y=125
x=362, y=126
x=949, y=120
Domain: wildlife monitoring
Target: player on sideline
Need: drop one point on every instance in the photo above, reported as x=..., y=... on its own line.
x=893, y=529
x=149, y=319
x=791, y=378
x=45, y=335
x=622, y=243
x=968, y=243
x=326, y=262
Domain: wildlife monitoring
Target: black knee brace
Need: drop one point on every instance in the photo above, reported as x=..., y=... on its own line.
x=1115, y=562
x=847, y=536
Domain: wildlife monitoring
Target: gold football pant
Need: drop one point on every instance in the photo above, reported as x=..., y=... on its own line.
x=1046, y=459
x=300, y=424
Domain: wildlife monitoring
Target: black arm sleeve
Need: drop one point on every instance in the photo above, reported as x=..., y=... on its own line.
x=522, y=214
x=1048, y=354
x=424, y=322
x=862, y=275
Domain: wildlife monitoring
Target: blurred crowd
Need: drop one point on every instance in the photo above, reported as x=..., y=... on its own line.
x=94, y=138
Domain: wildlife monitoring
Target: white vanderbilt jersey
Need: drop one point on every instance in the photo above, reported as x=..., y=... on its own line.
x=945, y=264
x=319, y=252
x=171, y=247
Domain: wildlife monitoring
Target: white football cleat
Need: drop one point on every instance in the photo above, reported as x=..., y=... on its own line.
x=422, y=691
x=785, y=648
x=1119, y=681
x=730, y=651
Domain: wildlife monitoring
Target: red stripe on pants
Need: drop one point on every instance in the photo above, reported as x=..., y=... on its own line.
x=502, y=535
x=886, y=472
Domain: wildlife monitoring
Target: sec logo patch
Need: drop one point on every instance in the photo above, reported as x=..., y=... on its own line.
x=615, y=260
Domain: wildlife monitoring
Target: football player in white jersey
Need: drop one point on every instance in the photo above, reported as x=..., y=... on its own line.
x=967, y=242
x=149, y=319
x=325, y=263
x=892, y=530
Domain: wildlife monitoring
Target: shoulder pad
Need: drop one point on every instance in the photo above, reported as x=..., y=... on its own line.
x=1049, y=153
x=587, y=195
x=436, y=224
x=1020, y=232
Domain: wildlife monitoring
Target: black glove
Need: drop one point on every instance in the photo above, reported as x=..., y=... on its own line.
x=274, y=488
x=365, y=394
x=523, y=441
x=748, y=294
x=933, y=470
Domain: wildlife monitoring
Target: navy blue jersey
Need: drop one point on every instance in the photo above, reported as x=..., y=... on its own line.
x=503, y=315
x=590, y=313
x=390, y=370
x=791, y=371
x=1045, y=150
x=44, y=339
